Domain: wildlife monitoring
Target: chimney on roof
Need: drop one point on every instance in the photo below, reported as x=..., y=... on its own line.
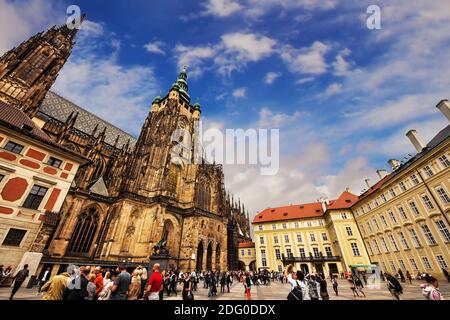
x=324, y=202
x=414, y=138
x=444, y=107
x=382, y=173
x=348, y=189
x=394, y=163
x=367, y=183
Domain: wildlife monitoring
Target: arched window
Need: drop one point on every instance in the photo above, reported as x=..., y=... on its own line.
x=203, y=194
x=83, y=235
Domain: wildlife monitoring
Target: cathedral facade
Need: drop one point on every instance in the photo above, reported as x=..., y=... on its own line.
x=134, y=193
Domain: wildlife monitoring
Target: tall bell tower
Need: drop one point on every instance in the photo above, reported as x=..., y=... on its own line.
x=29, y=70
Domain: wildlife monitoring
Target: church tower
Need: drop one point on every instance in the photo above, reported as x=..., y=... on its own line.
x=157, y=167
x=28, y=71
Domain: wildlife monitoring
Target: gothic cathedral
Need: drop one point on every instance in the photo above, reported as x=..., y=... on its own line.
x=133, y=193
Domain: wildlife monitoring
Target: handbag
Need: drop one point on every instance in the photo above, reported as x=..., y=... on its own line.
x=296, y=293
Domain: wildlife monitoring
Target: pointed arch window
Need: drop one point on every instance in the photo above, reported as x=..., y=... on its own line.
x=172, y=178
x=84, y=233
x=203, y=194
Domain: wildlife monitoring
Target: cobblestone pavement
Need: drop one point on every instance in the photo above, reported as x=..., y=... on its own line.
x=275, y=291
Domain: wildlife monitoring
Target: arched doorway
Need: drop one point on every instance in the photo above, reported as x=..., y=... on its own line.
x=209, y=257
x=218, y=257
x=241, y=266
x=199, y=264
x=252, y=266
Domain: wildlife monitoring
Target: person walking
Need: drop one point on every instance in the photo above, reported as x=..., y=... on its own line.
x=18, y=279
x=77, y=287
x=247, y=286
x=54, y=288
x=353, y=286
x=312, y=287
x=223, y=282
x=359, y=286
x=91, y=287
x=402, y=277
x=44, y=279
x=431, y=290
x=188, y=282
x=394, y=286
x=335, y=285
x=409, y=277
x=155, y=284
x=98, y=280
x=134, y=289
x=323, y=287
x=108, y=281
x=194, y=280
x=119, y=289
x=229, y=281
x=173, y=284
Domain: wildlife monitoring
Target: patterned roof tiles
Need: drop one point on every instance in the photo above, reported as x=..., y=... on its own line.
x=60, y=108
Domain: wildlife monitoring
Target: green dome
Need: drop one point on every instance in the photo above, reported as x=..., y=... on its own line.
x=197, y=106
x=176, y=86
x=157, y=99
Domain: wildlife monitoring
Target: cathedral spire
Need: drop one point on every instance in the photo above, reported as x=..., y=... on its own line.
x=183, y=85
x=28, y=71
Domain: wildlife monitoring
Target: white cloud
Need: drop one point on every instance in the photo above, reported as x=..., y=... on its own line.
x=270, y=77
x=232, y=53
x=222, y=8
x=310, y=60
x=304, y=80
x=333, y=89
x=248, y=46
x=21, y=19
x=155, y=47
x=193, y=57
x=270, y=119
x=257, y=8
x=239, y=92
x=340, y=65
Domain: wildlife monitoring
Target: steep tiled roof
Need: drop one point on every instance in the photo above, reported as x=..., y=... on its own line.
x=298, y=211
x=247, y=244
x=20, y=120
x=60, y=108
x=442, y=136
x=17, y=120
x=345, y=200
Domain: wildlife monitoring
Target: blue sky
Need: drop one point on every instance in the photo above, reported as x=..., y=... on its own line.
x=342, y=95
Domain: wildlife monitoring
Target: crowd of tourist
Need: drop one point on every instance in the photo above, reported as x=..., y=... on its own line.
x=97, y=283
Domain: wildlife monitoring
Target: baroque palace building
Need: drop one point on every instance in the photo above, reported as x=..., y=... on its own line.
x=313, y=237
x=133, y=193
x=399, y=223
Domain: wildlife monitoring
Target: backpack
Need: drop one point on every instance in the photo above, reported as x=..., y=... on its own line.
x=296, y=293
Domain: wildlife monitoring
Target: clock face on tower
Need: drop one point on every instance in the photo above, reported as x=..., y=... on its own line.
x=182, y=123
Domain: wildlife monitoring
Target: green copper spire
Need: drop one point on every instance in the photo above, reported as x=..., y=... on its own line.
x=182, y=83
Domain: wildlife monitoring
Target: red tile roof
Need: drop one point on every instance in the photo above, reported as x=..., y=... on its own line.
x=17, y=120
x=307, y=210
x=298, y=211
x=247, y=244
x=345, y=200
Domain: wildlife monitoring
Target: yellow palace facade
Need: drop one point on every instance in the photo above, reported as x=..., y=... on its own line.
x=404, y=217
x=314, y=237
x=399, y=223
